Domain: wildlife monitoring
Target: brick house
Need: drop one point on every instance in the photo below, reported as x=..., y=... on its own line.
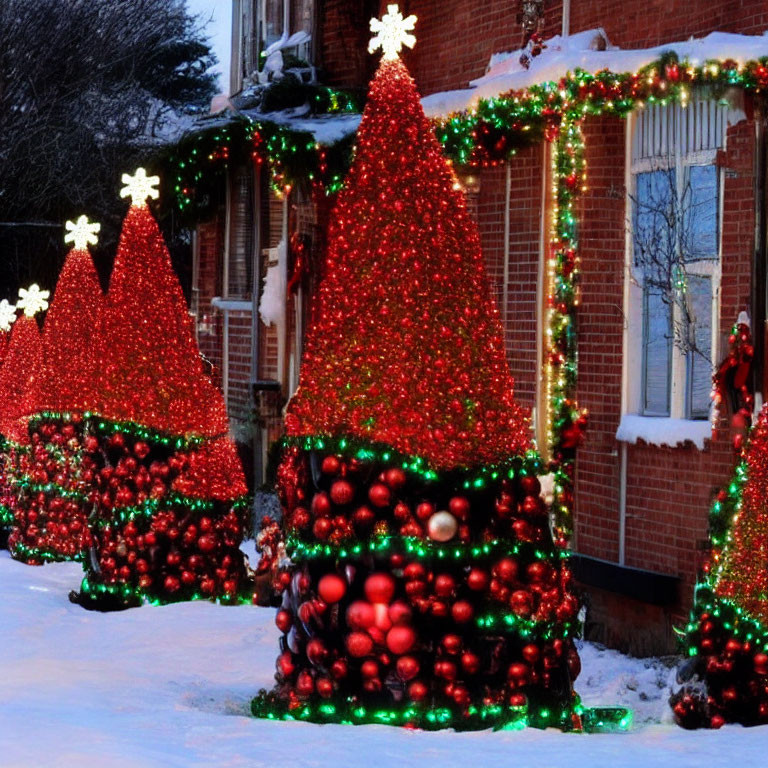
x=647, y=472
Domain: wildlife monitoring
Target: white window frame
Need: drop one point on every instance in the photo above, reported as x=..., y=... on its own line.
x=711, y=268
x=633, y=394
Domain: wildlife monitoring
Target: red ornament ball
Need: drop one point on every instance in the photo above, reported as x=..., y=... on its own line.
x=521, y=602
x=331, y=465
x=360, y=615
x=332, y=588
x=470, y=662
x=284, y=620
x=395, y=478
x=444, y=585
x=407, y=668
x=459, y=507
x=379, y=588
x=478, y=580
x=359, y=644
x=400, y=613
x=379, y=495
x=342, y=492
x=325, y=687
x=321, y=504
x=462, y=611
x=400, y=640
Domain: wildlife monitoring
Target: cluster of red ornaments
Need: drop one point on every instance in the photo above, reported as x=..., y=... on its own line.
x=337, y=499
x=53, y=501
x=394, y=637
x=736, y=674
x=388, y=626
x=178, y=546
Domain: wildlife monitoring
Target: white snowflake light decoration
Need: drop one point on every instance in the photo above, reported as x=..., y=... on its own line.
x=32, y=300
x=140, y=186
x=392, y=32
x=7, y=315
x=81, y=233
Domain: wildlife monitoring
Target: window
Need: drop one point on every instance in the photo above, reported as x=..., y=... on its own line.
x=284, y=30
x=675, y=241
x=240, y=253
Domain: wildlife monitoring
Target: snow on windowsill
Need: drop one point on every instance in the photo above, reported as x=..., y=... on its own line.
x=656, y=430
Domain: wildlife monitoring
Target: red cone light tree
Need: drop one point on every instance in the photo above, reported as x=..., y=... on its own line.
x=170, y=490
x=425, y=589
x=52, y=520
x=727, y=637
x=7, y=318
x=19, y=396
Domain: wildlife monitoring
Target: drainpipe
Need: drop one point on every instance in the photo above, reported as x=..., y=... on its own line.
x=623, y=450
x=566, y=19
x=259, y=434
x=282, y=330
x=623, y=504
x=505, y=283
x=225, y=290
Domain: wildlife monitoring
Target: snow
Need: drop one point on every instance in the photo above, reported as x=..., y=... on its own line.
x=657, y=430
x=170, y=687
x=563, y=55
x=326, y=129
x=272, y=304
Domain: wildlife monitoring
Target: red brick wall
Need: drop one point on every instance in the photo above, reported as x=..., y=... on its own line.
x=669, y=490
x=650, y=22
x=210, y=246
x=343, y=47
x=600, y=337
x=520, y=314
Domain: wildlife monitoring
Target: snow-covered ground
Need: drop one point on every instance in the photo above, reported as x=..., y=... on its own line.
x=171, y=686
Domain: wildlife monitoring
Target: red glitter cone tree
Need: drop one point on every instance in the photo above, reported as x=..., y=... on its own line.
x=52, y=518
x=7, y=318
x=171, y=491
x=727, y=637
x=19, y=396
x=425, y=588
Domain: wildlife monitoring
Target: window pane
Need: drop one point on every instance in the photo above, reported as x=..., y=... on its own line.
x=699, y=302
x=700, y=217
x=657, y=346
x=241, y=235
x=301, y=16
x=273, y=21
x=654, y=232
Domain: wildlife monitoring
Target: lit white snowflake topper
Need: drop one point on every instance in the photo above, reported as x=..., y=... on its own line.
x=81, y=233
x=392, y=32
x=32, y=300
x=7, y=315
x=139, y=187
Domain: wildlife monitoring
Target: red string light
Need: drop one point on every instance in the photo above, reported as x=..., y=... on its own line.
x=72, y=322
x=20, y=378
x=743, y=576
x=151, y=372
x=408, y=347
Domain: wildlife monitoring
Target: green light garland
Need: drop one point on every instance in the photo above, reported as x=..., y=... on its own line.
x=416, y=547
x=466, y=478
x=496, y=716
x=24, y=553
x=6, y=516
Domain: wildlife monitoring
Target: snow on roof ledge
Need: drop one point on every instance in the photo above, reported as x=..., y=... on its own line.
x=580, y=51
x=656, y=430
